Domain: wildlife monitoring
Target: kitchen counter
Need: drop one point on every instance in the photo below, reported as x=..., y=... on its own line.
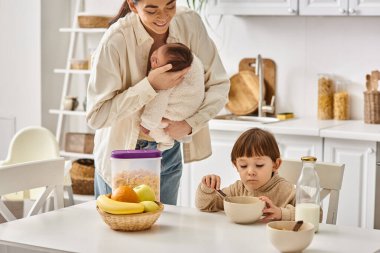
x=350, y=129
x=80, y=229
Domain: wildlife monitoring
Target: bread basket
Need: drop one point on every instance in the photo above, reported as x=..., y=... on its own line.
x=93, y=21
x=131, y=222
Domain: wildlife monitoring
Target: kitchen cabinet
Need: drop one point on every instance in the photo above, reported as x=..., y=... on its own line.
x=291, y=146
x=357, y=196
x=250, y=7
x=339, y=7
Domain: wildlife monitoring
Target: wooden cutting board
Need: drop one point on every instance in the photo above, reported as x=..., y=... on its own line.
x=269, y=75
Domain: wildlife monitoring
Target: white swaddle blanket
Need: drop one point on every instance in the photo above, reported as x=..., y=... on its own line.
x=176, y=104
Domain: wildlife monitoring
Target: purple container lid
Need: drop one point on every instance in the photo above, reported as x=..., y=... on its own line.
x=133, y=154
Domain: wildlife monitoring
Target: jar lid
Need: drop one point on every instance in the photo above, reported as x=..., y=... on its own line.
x=309, y=158
x=131, y=154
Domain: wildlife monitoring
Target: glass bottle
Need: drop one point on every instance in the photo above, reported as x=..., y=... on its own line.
x=307, y=193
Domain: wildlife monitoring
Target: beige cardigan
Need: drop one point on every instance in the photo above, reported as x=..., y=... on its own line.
x=277, y=189
x=118, y=88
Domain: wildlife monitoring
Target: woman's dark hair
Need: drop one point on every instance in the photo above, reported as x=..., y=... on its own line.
x=124, y=10
x=179, y=55
x=255, y=142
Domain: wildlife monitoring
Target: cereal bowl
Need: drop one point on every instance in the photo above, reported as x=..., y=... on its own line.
x=243, y=209
x=283, y=238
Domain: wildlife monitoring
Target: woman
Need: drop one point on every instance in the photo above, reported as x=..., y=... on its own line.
x=119, y=88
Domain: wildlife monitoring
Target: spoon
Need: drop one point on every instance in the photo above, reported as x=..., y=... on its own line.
x=368, y=82
x=297, y=225
x=221, y=193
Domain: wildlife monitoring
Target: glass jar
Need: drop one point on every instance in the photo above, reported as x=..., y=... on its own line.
x=325, y=97
x=307, y=193
x=341, y=102
x=136, y=167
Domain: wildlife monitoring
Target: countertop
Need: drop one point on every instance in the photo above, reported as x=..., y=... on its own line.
x=342, y=129
x=179, y=229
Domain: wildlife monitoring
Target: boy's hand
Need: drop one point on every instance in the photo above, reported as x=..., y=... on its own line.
x=270, y=211
x=161, y=79
x=212, y=181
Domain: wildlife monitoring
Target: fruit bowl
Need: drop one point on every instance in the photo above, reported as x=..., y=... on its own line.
x=131, y=222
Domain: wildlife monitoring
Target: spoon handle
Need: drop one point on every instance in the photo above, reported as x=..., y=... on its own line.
x=298, y=225
x=221, y=193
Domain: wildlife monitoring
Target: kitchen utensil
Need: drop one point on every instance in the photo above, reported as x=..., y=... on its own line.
x=269, y=68
x=297, y=225
x=368, y=82
x=375, y=76
x=244, y=93
x=221, y=193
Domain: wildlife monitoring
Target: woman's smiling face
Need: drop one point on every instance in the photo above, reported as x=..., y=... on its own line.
x=255, y=171
x=155, y=14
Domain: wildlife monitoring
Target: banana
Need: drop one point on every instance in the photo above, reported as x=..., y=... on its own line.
x=117, y=207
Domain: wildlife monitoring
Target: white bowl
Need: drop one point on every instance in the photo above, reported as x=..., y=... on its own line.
x=285, y=240
x=243, y=209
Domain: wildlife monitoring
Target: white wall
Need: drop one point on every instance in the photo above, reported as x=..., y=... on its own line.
x=302, y=47
x=20, y=64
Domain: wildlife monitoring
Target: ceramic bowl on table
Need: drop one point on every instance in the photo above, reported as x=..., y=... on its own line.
x=284, y=239
x=243, y=209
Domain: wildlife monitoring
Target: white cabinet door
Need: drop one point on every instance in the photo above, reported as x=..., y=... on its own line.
x=323, y=7
x=364, y=7
x=357, y=196
x=253, y=7
x=219, y=163
x=339, y=7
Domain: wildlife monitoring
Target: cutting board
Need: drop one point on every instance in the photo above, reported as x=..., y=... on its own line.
x=269, y=67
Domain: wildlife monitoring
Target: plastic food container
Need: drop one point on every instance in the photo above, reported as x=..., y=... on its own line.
x=136, y=167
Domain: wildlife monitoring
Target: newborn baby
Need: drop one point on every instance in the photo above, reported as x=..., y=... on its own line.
x=178, y=103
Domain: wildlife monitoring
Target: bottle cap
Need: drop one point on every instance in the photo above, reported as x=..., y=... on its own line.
x=309, y=158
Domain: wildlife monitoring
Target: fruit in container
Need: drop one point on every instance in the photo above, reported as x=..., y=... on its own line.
x=106, y=204
x=150, y=206
x=124, y=193
x=145, y=193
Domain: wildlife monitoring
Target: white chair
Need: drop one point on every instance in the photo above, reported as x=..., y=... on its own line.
x=34, y=143
x=29, y=175
x=330, y=180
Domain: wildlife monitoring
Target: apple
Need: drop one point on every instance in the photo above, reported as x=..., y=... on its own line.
x=150, y=206
x=145, y=193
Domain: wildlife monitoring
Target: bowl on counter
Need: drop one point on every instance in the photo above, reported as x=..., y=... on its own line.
x=243, y=209
x=284, y=239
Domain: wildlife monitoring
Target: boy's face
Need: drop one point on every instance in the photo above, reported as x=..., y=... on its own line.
x=158, y=59
x=256, y=171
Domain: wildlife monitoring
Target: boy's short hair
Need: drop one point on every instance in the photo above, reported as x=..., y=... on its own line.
x=255, y=142
x=179, y=55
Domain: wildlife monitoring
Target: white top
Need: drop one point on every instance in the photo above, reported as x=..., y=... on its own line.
x=80, y=229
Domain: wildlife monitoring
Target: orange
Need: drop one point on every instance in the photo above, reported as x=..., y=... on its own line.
x=125, y=193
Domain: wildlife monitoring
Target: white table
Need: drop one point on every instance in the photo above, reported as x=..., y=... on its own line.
x=80, y=229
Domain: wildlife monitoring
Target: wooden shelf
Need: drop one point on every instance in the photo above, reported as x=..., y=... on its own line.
x=72, y=71
x=76, y=155
x=83, y=30
x=73, y=113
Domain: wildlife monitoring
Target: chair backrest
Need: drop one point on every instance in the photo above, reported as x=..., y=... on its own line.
x=29, y=175
x=330, y=179
x=32, y=144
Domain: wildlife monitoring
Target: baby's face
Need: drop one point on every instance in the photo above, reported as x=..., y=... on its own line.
x=158, y=58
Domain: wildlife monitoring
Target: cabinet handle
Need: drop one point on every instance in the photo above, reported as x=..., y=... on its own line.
x=370, y=151
x=291, y=10
x=342, y=11
x=352, y=11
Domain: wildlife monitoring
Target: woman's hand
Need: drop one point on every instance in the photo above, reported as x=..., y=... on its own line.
x=211, y=181
x=161, y=79
x=177, y=129
x=270, y=211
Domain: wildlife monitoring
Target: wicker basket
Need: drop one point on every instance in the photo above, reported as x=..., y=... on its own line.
x=82, y=176
x=131, y=222
x=372, y=107
x=88, y=21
